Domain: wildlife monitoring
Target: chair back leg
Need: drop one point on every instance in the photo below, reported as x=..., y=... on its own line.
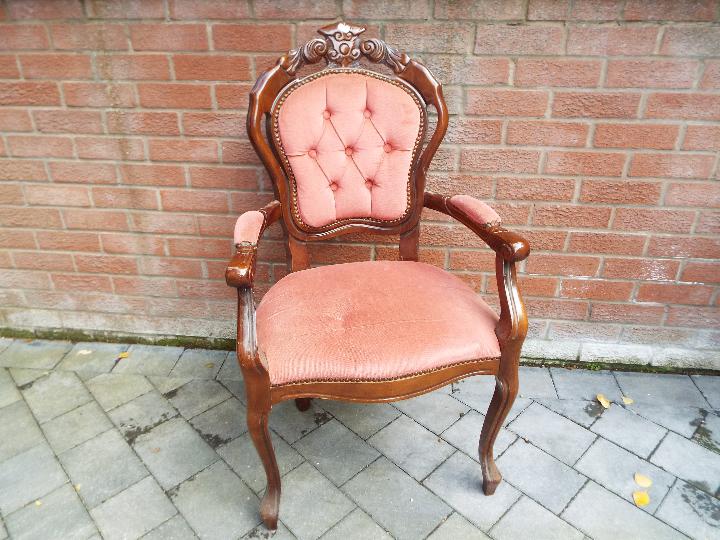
x=303, y=403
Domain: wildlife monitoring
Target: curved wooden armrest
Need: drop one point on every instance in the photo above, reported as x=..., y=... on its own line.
x=241, y=269
x=509, y=245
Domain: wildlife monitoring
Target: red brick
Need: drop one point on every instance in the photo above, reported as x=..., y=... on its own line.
x=29, y=217
x=126, y=9
x=24, y=170
x=487, y=102
x=434, y=37
x=626, y=313
x=169, y=37
x=655, y=136
x=216, y=225
x=68, y=241
x=530, y=286
x=478, y=261
x=612, y=41
x=672, y=165
x=670, y=10
x=191, y=247
x=673, y=293
x=82, y=94
x=29, y=93
x=585, y=163
x=109, y=148
x=691, y=41
x=211, y=67
x=390, y=9
x=15, y=120
x=205, y=289
x=463, y=183
x=683, y=106
x=105, y=197
x=645, y=269
x=698, y=247
x=711, y=76
x=104, y=37
x=239, y=152
x=144, y=286
x=42, y=9
x=641, y=219
x=651, y=73
x=255, y=37
x=47, y=195
x=557, y=72
x=538, y=189
x=232, y=96
x=17, y=239
x=595, y=105
x=473, y=131
x=596, y=289
x=515, y=161
x=709, y=223
x=23, y=36
x=695, y=317
x=38, y=146
x=23, y=279
x=56, y=66
x=542, y=133
x=467, y=70
x=702, y=138
x=215, y=9
x=81, y=282
x=224, y=177
x=81, y=172
x=154, y=222
x=518, y=39
x=620, y=192
x=134, y=67
x=144, y=123
x=95, y=220
x=132, y=244
x=9, y=67
x=68, y=121
x=165, y=266
x=175, y=96
x=602, y=242
x=183, y=150
x=556, y=309
x=106, y=264
x=213, y=124
x=572, y=216
x=693, y=194
x=562, y=265
x=153, y=175
x=701, y=272
x=11, y=194
x=194, y=201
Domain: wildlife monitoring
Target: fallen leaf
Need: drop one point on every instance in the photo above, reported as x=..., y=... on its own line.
x=642, y=480
x=123, y=355
x=77, y=487
x=83, y=352
x=605, y=402
x=209, y=365
x=627, y=400
x=38, y=502
x=155, y=450
x=641, y=498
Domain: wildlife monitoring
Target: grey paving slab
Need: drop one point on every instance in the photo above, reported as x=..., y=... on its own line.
x=236, y=388
x=411, y=447
x=336, y=451
x=51, y=396
x=18, y=430
x=28, y=476
x=221, y=424
x=149, y=360
x=682, y=420
x=92, y=357
x=465, y=435
x=291, y=424
x=356, y=525
x=710, y=387
x=141, y=414
x=365, y=419
x=230, y=369
x=37, y=354
x=629, y=430
x=5, y=343
x=111, y=390
x=708, y=433
x=539, y=475
x=199, y=364
x=436, y=411
x=3, y=531
x=661, y=388
x=173, y=451
x=23, y=376
x=476, y=392
x=527, y=519
x=396, y=501
x=581, y=412
x=614, y=468
x=197, y=396
x=175, y=528
x=458, y=482
x=553, y=433
x=603, y=515
x=260, y=532
x=61, y=515
x=167, y=385
x=134, y=511
x=689, y=461
x=217, y=504
x=8, y=392
x=102, y=467
x=691, y=511
x=535, y=382
x=242, y=457
x=76, y=426
x=585, y=385
x=456, y=527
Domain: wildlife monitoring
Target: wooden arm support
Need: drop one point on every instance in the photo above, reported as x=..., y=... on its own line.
x=241, y=269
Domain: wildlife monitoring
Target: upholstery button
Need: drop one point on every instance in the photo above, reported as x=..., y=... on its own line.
x=368, y=183
x=312, y=153
x=367, y=113
x=333, y=186
x=326, y=114
x=387, y=147
x=349, y=151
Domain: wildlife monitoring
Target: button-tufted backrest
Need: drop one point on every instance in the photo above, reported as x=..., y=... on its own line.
x=348, y=140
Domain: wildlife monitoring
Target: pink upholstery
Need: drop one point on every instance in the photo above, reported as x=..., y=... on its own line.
x=476, y=209
x=248, y=227
x=371, y=321
x=349, y=139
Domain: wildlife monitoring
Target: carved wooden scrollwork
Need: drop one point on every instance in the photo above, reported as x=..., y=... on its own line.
x=341, y=46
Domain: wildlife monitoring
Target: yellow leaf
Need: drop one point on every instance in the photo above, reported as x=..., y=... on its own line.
x=123, y=355
x=641, y=498
x=642, y=480
x=605, y=402
x=38, y=502
x=83, y=352
x=77, y=487
x=209, y=365
x=627, y=400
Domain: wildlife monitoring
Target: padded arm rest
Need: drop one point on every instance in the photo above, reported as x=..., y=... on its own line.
x=483, y=221
x=248, y=230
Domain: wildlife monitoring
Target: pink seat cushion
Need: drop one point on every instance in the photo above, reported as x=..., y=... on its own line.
x=349, y=139
x=372, y=320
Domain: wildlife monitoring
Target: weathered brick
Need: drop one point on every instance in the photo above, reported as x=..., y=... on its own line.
x=572, y=216
x=224, y=177
x=486, y=102
x=435, y=37
x=218, y=9
x=118, y=67
x=88, y=94
x=467, y=70
x=24, y=36
x=232, y=96
x=674, y=293
x=563, y=265
x=585, y=163
x=606, y=242
x=595, y=105
x=84, y=36
x=669, y=10
x=48, y=195
x=82, y=172
x=516, y=161
x=40, y=9
x=626, y=313
x=691, y=41
x=11, y=169
x=697, y=248
x=711, y=75
x=132, y=244
x=619, y=291
x=96, y=220
x=15, y=120
x=557, y=72
x=620, y=192
x=705, y=194
x=694, y=317
x=654, y=136
x=645, y=269
x=612, y=40
x=194, y=201
x=474, y=131
x=9, y=67
x=39, y=146
x=169, y=37
x=702, y=138
x=683, y=106
x=641, y=219
x=391, y=9
x=672, y=165
x=183, y=150
x=211, y=67
x=29, y=93
x=266, y=37
x=539, y=189
x=143, y=123
x=118, y=197
x=153, y=175
x=543, y=133
x=651, y=73
x=109, y=148
x=213, y=124
x=518, y=39
x=106, y=264
x=175, y=96
x=62, y=121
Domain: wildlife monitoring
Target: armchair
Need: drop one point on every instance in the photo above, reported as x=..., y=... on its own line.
x=345, y=148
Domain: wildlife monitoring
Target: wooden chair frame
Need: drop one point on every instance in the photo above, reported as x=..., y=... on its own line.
x=340, y=46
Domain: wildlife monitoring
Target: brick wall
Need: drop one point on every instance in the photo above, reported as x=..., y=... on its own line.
x=591, y=126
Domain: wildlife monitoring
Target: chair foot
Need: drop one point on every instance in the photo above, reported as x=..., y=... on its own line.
x=260, y=434
x=303, y=403
x=502, y=401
